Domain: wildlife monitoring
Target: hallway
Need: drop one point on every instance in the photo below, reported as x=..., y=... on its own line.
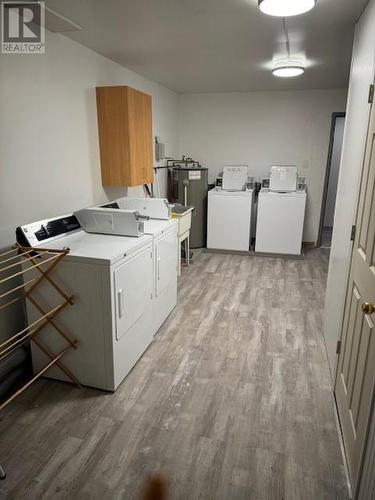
x=233, y=400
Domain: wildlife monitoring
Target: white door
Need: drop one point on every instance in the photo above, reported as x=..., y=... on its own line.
x=228, y=222
x=355, y=379
x=133, y=289
x=166, y=261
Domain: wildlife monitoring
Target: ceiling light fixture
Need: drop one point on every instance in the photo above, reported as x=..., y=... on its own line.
x=285, y=8
x=287, y=68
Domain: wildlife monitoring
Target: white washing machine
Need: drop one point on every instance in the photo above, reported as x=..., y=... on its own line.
x=229, y=219
x=164, y=233
x=111, y=278
x=281, y=214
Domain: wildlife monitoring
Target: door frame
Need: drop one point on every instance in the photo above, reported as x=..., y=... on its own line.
x=327, y=174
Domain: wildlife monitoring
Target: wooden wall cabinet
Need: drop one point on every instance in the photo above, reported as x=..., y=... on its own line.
x=125, y=136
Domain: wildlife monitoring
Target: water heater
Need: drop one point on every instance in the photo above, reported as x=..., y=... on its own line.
x=192, y=182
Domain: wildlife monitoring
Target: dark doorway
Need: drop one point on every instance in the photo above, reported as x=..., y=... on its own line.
x=331, y=181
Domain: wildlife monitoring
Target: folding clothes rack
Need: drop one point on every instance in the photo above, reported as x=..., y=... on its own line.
x=35, y=266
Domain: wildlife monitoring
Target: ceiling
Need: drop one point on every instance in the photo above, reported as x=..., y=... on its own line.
x=216, y=45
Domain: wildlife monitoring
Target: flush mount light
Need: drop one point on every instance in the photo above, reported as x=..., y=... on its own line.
x=288, y=68
x=285, y=8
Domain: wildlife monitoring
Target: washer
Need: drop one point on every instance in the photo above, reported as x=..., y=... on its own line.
x=229, y=219
x=164, y=233
x=281, y=213
x=280, y=222
x=111, y=278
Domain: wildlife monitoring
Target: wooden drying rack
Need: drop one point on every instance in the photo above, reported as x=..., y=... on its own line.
x=42, y=261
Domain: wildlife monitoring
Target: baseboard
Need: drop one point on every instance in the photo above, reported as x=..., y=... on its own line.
x=252, y=253
x=309, y=244
x=305, y=245
x=235, y=252
x=342, y=447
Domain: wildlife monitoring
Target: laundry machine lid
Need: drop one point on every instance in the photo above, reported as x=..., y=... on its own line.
x=223, y=192
x=100, y=248
x=65, y=232
x=288, y=194
x=156, y=227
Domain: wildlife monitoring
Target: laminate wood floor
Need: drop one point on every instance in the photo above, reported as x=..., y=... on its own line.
x=232, y=400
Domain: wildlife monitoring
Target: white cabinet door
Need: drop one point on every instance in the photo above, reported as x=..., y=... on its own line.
x=166, y=261
x=133, y=289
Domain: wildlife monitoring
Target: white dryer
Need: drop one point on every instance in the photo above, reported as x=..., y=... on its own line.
x=229, y=219
x=165, y=251
x=164, y=233
x=111, y=278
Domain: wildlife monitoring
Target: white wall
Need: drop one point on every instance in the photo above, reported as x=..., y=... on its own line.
x=329, y=211
x=261, y=129
x=49, y=152
x=362, y=75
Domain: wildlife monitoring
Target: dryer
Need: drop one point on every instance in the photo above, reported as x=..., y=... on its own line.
x=165, y=249
x=163, y=230
x=111, y=278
